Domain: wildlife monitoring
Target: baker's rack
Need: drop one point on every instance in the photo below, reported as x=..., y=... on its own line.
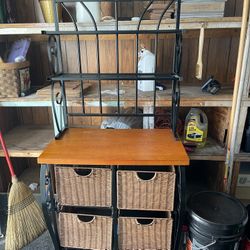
x=59, y=99
x=60, y=109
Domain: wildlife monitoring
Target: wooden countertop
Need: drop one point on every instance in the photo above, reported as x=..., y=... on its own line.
x=79, y=146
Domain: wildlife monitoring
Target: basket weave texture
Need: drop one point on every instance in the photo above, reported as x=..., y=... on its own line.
x=10, y=82
x=155, y=194
x=154, y=236
x=74, y=189
x=75, y=233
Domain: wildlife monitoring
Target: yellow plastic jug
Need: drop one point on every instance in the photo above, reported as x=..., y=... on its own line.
x=196, y=126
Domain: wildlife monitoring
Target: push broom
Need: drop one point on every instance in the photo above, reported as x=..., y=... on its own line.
x=25, y=218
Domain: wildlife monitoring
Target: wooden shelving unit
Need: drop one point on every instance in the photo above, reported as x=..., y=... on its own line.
x=213, y=151
x=191, y=96
x=30, y=141
x=27, y=141
x=242, y=157
x=186, y=24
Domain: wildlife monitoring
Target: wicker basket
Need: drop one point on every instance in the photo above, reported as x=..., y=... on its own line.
x=83, y=186
x=85, y=231
x=14, y=79
x=146, y=190
x=145, y=233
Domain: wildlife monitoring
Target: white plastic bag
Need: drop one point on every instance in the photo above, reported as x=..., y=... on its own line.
x=82, y=16
x=146, y=64
x=122, y=122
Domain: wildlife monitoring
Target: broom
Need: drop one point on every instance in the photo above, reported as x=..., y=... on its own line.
x=25, y=218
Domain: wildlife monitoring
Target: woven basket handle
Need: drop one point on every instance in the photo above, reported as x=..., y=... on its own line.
x=143, y=176
x=86, y=218
x=83, y=172
x=145, y=222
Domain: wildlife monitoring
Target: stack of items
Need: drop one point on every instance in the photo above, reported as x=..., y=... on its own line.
x=157, y=8
x=202, y=8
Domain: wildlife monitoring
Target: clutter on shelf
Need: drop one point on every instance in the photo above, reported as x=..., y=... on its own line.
x=122, y=122
x=157, y=8
x=211, y=86
x=14, y=71
x=202, y=8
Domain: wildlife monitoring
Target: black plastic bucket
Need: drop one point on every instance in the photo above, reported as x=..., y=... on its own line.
x=216, y=221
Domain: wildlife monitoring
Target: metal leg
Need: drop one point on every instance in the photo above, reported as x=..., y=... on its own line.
x=48, y=204
x=114, y=209
x=3, y=214
x=180, y=204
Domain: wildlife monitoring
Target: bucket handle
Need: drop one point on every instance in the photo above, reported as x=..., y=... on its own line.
x=204, y=247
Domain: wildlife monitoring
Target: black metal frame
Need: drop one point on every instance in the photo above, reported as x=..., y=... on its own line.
x=60, y=77
x=59, y=99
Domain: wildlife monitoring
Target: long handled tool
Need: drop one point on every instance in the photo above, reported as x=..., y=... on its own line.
x=25, y=218
x=199, y=64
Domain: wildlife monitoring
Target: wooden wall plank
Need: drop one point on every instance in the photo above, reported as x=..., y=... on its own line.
x=230, y=8
x=35, y=116
x=127, y=54
x=45, y=67
x=108, y=56
x=218, y=123
x=72, y=57
x=235, y=175
x=218, y=57
x=91, y=56
x=24, y=11
x=79, y=121
x=8, y=119
x=34, y=56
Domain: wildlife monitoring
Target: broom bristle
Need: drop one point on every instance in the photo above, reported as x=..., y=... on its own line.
x=25, y=218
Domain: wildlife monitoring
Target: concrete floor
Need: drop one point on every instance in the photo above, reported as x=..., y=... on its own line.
x=41, y=243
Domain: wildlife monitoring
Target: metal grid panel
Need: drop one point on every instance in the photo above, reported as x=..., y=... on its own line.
x=59, y=100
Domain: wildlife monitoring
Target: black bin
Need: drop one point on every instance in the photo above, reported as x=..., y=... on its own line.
x=216, y=221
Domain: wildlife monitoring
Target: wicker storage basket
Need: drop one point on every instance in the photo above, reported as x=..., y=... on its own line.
x=145, y=233
x=85, y=231
x=146, y=190
x=14, y=79
x=83, y=186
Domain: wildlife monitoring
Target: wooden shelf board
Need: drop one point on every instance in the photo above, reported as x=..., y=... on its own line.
x=242, y=157
x=188, y=24
x=27, y=141
x=211, y=152
x=191, y=96
x=115, y=147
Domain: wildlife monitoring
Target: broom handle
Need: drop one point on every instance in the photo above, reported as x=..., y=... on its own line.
x=7, y=157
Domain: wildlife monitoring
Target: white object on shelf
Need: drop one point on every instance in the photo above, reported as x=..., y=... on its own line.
x=146, y=64
x=82, y=16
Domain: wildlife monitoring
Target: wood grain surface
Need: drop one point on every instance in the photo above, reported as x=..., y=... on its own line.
x=115, y=147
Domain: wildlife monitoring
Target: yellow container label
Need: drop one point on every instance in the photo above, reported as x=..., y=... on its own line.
x=193, y=133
